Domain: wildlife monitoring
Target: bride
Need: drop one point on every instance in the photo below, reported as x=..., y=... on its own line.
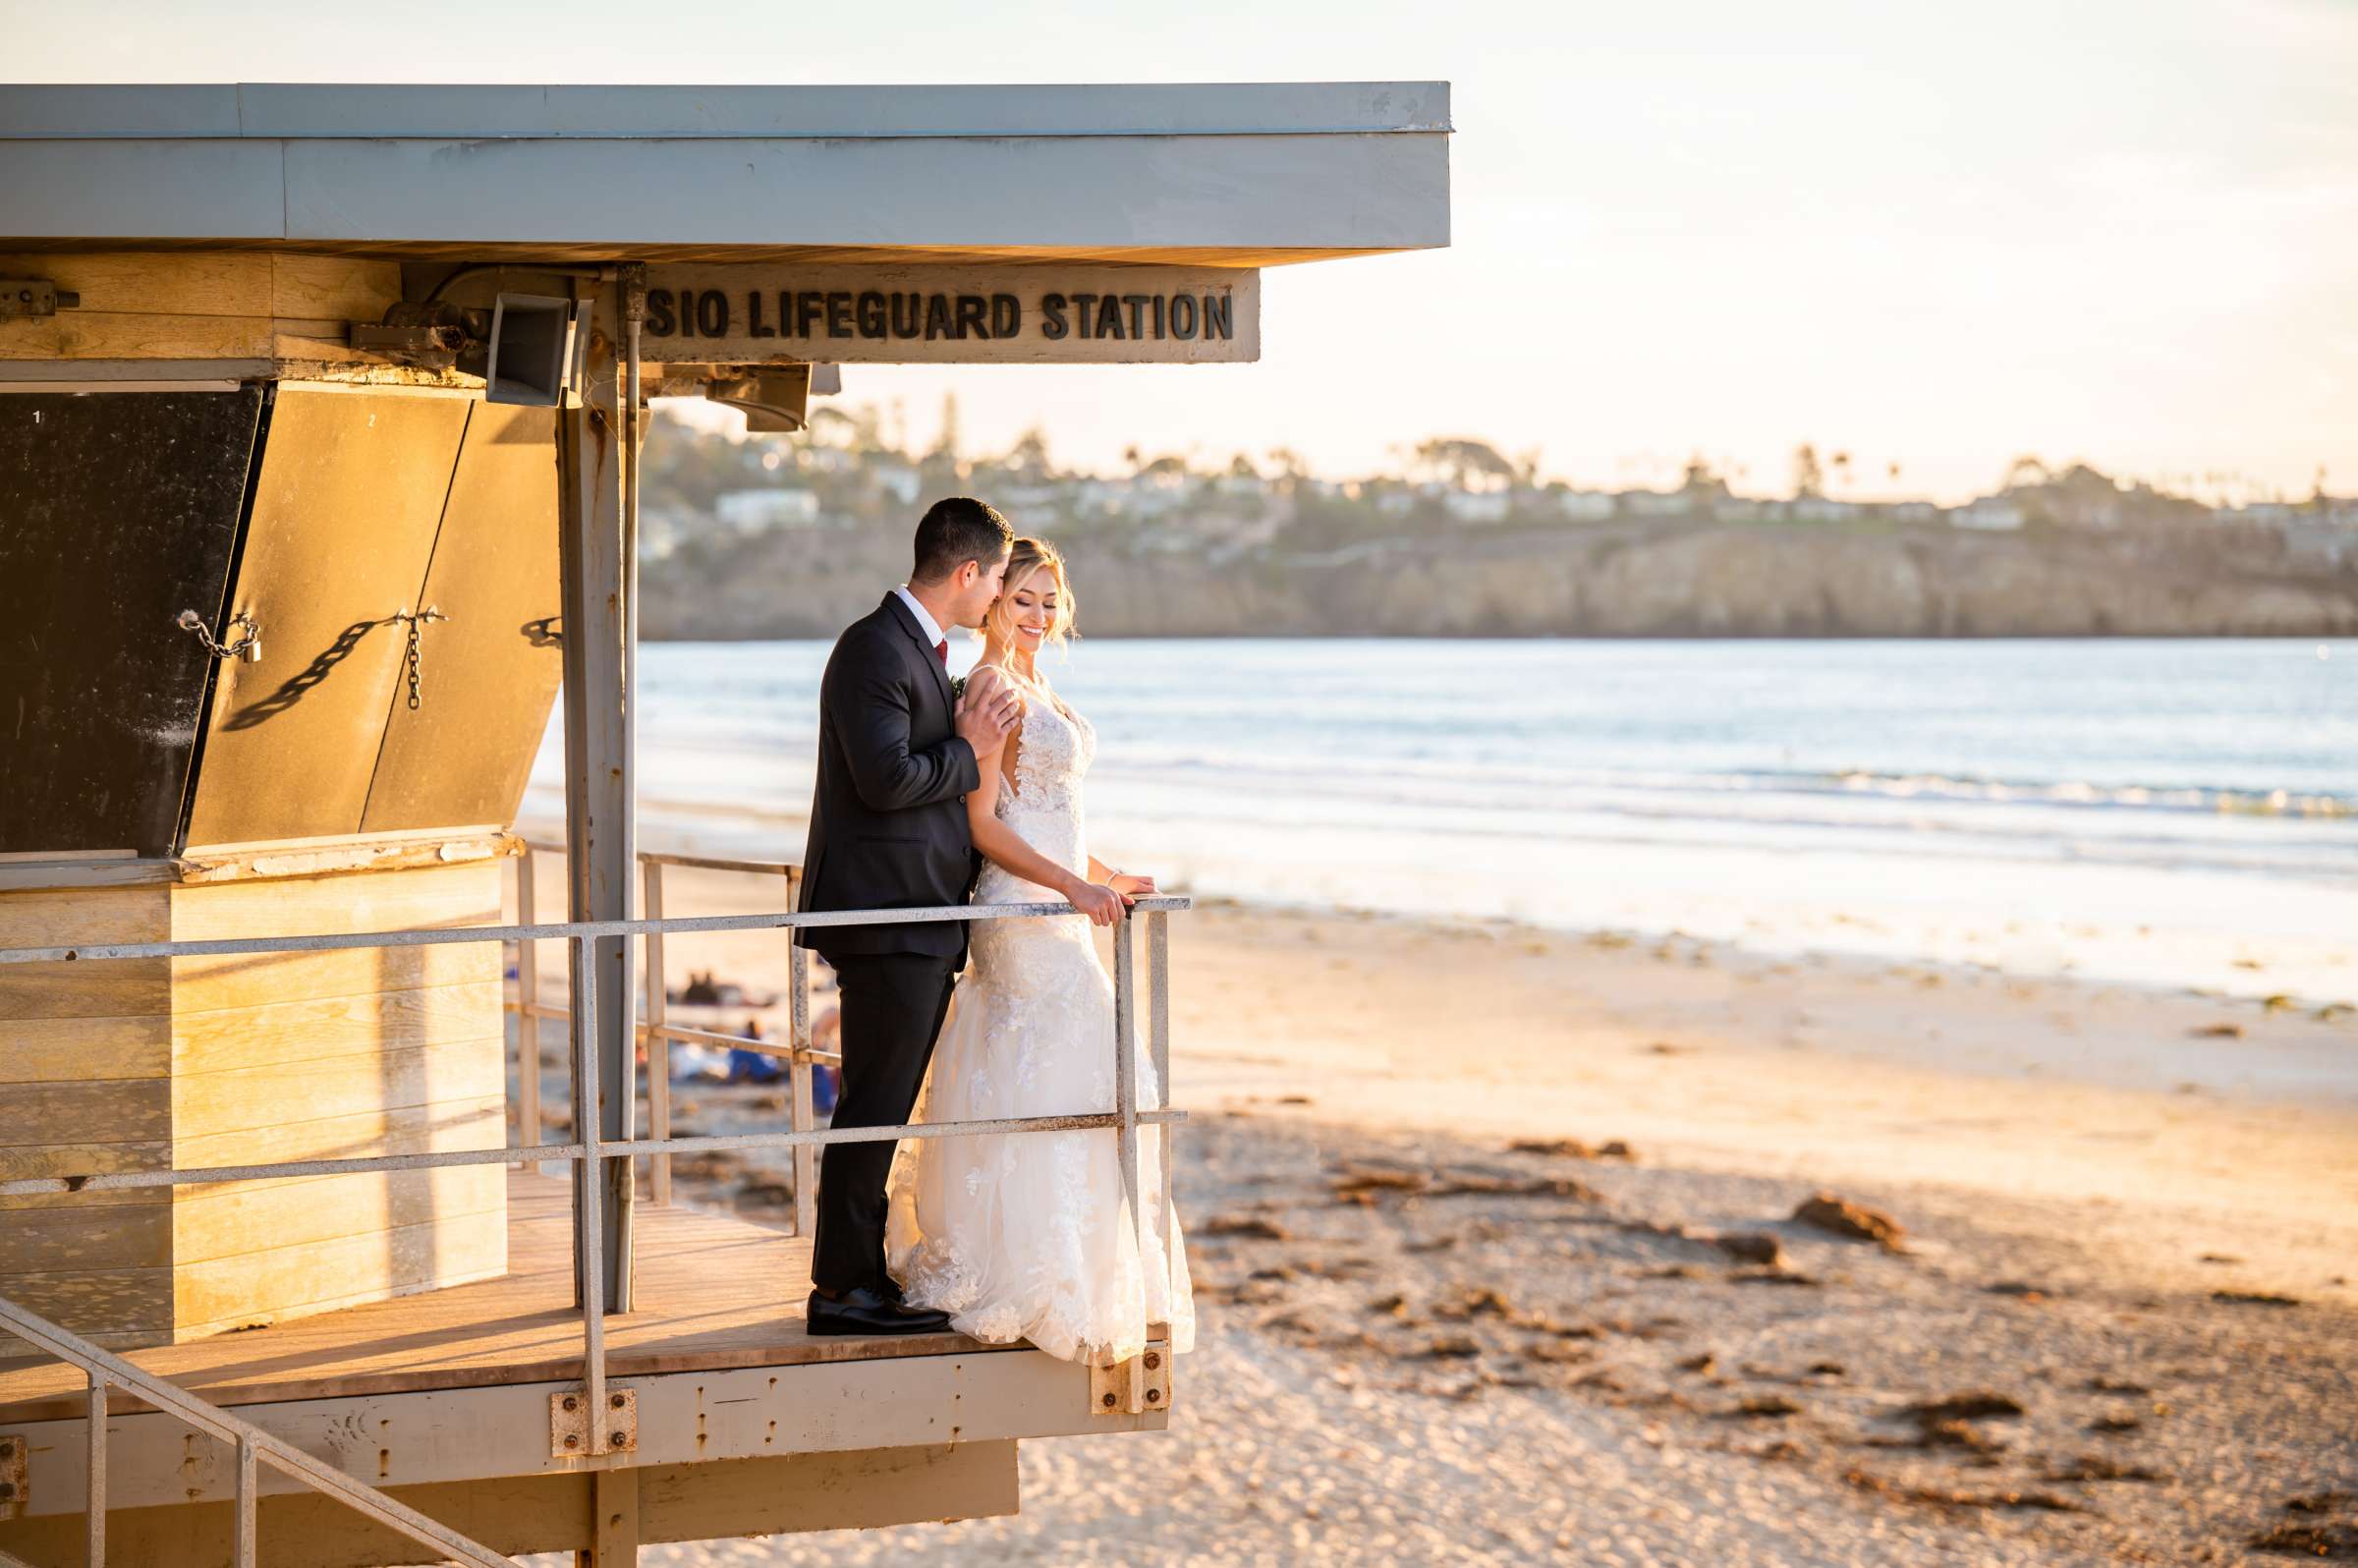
x=1027, y=1235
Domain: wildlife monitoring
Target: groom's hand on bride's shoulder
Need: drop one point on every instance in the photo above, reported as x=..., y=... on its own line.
x=989, y=711
x=981, y=682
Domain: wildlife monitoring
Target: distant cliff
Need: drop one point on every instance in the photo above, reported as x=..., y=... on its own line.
x=1660, y=578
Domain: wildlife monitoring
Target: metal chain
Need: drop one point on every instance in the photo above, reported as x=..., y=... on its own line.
x=245, y=647
x=415, y=656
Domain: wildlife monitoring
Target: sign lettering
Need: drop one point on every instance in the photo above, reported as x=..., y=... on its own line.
x=1039, y=313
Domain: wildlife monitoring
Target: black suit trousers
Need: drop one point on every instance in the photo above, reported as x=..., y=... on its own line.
x=891, y=1011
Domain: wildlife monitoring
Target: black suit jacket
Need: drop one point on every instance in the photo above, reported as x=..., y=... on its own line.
x=888, y=826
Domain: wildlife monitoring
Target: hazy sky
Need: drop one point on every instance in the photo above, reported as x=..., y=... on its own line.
x=1935, y=236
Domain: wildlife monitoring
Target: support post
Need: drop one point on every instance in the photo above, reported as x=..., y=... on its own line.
x=659, y=1048
x=615, y=1537
x=601, y=855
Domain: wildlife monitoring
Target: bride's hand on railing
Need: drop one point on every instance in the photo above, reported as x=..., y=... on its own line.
x=1130, y=886
x=1101, y=904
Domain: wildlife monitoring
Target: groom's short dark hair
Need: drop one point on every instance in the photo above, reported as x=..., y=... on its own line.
x=957, y=531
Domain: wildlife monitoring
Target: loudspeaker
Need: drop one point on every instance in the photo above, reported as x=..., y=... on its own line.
x=531, y=357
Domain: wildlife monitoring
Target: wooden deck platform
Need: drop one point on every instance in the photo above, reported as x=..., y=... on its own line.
x=713, y=1293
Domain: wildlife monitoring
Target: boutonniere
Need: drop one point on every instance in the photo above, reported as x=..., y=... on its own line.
x=957, y=689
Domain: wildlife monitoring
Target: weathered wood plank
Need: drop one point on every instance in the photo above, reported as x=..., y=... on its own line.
x=126, y=335
x=332, y=287
x=110, y=872
x=395, y=1130
x=325, y=1027
x=337, y=1272
x=48, y=1050
x=293, y=1094
x=194, y=1300
x=146, y=283
x=136, y=987
x=363, y=852
x=67, y=1238
x=423, y=897
x=99, y=1300
x=14, y=1349
x=107, y=1197
x=321, y=342
x=109, y=1110
x=205, y=984
x=864, y=1489
x=52, y=917
x=245, y=1217
x=431, y=896
x=26, y=1163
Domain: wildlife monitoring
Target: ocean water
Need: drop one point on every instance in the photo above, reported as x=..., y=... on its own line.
x=2163, y=812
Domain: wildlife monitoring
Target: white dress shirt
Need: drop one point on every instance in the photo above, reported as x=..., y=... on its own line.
x=924, y=617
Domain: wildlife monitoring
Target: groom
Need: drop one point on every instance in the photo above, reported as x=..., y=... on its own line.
x=888, y=830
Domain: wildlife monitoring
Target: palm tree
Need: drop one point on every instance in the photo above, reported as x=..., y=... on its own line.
x=1809, y=479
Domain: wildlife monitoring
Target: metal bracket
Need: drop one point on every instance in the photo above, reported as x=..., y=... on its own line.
x=33, y=297
x=1135, y=1386
x=433, y=347
x=435, y=335
x=576, y=1432
x=12, y=1484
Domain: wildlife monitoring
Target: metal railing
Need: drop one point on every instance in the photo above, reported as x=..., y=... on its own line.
x=656, y=1034
x=255, y=1446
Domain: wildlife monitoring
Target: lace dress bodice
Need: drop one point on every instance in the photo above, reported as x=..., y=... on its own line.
x=1053, y=751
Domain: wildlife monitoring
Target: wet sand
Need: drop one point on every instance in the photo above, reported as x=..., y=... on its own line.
x=2115, y=1327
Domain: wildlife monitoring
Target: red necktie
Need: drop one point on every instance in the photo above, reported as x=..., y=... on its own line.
x=941, y=652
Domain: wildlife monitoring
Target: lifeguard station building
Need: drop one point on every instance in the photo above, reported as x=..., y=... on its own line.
x=321, y=409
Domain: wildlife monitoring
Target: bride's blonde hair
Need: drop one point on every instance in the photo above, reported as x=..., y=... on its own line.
x=1027, y=557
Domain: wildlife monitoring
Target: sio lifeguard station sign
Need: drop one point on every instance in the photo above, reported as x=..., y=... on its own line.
x=903, y=315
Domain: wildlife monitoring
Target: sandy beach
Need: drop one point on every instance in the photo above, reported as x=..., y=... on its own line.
x=1495, y=1242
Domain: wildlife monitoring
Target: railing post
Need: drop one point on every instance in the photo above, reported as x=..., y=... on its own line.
x=589, y=1187
x=800, y=1114
x=94, y=1491
x=1159, y=1034
x=528, y=1006
x=659, y=1047
x=242, y=1543
x=1125, y=1078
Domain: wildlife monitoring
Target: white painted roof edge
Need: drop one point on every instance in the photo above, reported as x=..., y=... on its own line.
x=1032, y=168
x=440, y=112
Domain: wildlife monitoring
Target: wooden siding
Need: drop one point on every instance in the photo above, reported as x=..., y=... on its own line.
x=144, y=1064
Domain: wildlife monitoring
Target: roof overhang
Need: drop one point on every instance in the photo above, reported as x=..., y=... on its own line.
x=1244, y=175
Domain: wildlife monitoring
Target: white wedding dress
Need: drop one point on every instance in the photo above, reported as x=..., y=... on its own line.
x=1027, y=1235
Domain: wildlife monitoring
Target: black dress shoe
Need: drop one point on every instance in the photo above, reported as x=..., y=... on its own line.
x=868, y=1310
